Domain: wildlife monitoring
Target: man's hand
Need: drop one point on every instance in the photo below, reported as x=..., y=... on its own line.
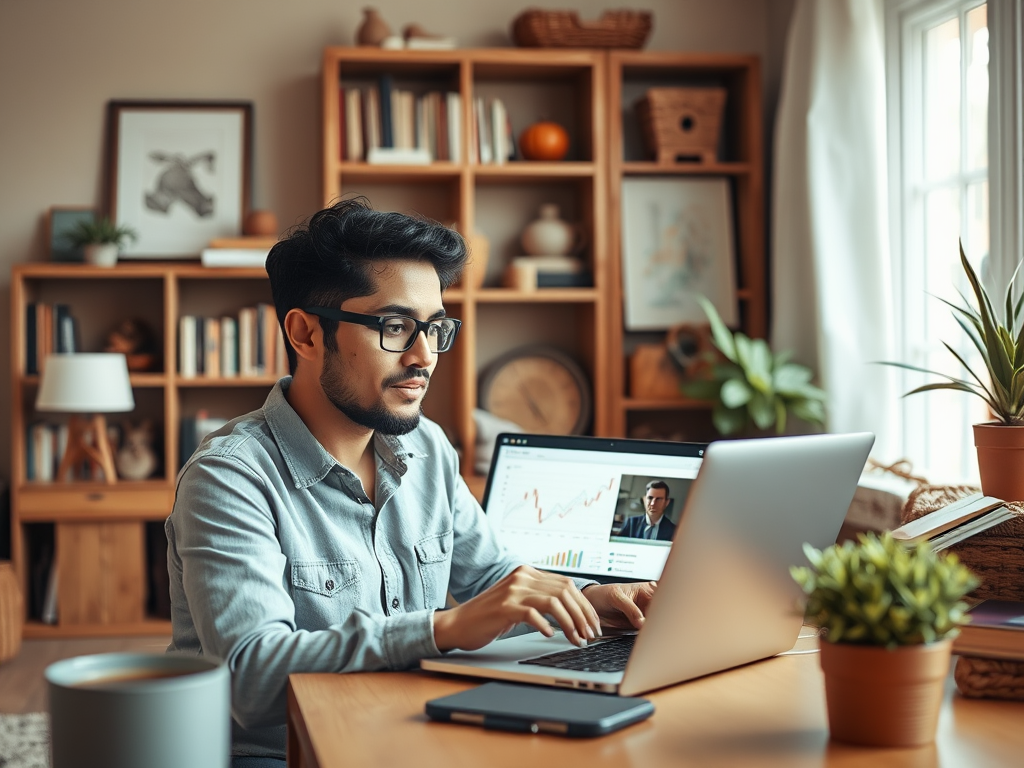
x=524, y=596
x=621, y=606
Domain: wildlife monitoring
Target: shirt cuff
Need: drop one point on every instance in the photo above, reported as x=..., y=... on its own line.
x=409, y=637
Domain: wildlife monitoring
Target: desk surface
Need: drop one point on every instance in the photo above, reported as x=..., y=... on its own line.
x=767, y=714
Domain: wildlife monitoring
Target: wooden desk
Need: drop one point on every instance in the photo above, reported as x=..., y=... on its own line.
x=767, y=714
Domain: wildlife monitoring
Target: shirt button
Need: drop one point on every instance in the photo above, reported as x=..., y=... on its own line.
x=395, y=603
x=329, y=585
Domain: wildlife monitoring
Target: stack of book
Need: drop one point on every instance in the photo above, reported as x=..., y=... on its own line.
x=49, y=328
x=384, y=124
x=996, y=631
x=955, y=522
x=248, y=345
x=245, y=251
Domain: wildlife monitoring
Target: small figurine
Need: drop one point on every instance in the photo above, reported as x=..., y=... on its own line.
x=133, y=339
x=136, y=459
x=416, y=37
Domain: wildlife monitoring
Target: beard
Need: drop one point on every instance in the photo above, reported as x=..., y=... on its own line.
x=377, y=417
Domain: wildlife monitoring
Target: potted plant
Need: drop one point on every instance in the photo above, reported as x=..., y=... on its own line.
x=888, y=614
x=101, y=240
x=753, y=387
x=1000, y=340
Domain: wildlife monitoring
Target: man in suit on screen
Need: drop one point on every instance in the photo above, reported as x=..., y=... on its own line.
x=652, y=524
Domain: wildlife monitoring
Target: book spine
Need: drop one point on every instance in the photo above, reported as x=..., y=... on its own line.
x=386, y=86
x=211, y=346
x=454, y=127
x=354, y=124
x=246, y=335
x=187, y=346
x=228, y=347
x=31, y=352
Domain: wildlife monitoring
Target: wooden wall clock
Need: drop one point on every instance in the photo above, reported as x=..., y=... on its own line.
x=541, y=389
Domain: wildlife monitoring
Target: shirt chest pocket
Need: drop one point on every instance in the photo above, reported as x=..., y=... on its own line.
x=324, y=592
x=434, y=558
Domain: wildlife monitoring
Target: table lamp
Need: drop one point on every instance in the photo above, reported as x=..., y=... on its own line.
x=95, y=384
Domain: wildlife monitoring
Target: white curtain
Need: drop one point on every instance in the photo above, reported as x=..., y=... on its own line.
x=831, y=272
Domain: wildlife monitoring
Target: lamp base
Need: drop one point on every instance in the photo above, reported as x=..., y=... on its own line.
x=88, y=444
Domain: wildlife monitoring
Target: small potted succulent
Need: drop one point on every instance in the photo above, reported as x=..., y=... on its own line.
x=101, y=240
x=998, y=334
x=888, y=613
x=753, y=388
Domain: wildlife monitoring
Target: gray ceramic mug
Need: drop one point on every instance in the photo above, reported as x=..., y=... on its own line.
x=129, y=710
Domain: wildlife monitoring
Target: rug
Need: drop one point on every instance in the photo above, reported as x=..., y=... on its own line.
x=25, y=741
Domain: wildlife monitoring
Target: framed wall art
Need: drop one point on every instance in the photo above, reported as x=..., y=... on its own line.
x=60, y=222
x=677, y=244
x=179, y=173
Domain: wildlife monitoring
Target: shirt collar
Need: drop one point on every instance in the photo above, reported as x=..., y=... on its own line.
x=309, y=462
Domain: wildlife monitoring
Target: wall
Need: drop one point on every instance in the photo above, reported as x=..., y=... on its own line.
x=61, y=61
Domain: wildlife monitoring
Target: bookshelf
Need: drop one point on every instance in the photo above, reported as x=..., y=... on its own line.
x=497, y=200
x=107, y=540
x=740, y=160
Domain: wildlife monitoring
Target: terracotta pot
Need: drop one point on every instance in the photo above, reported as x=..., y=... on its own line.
x=373, y=30
x=11, y=613
x=882, y=698
x=1001, y=460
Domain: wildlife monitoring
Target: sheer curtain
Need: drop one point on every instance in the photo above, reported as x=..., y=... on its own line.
x=830, y=249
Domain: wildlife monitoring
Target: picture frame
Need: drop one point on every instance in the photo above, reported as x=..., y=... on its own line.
x=678, y=243
x=60, y=222
x=179, y=173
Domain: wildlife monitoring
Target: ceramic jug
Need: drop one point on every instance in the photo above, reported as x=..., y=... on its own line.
x=550, y=236
x=373, y=30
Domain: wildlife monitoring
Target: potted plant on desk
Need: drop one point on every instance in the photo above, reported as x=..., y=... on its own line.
x=888, y=614
x=1000, y=341
x=101, y=240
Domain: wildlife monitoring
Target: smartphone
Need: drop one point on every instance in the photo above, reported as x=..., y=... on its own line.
x=535, y=709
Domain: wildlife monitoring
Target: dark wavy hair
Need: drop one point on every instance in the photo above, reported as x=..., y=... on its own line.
x=329, y=258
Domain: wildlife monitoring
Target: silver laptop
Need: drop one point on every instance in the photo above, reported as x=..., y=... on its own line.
x=724, y=597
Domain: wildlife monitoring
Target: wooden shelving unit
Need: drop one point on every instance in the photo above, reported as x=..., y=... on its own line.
x=497, y=200
x=97, y=533
x=740, y=160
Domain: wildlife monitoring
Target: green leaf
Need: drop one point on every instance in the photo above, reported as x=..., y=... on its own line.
x=761, y=411
x=728, y=421
x=790, y=377
x=735, y=393
x=720, y=334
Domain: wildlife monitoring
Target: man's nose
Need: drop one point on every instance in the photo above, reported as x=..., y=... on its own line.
x=419, y=354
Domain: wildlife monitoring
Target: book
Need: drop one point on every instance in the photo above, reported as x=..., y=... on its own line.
x=996, y=631
x=228, y=347
x=234, y=257
x=398, y=156
x=187, y=346
x=353, y=124
x=955, y=522
x=454, y=124
x=386, y=85
x=211, y=347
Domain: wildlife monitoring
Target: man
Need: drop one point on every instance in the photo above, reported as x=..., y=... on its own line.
x=652, y=524
x=323, y=532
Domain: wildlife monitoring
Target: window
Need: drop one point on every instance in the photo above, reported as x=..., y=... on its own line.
x=938, y=64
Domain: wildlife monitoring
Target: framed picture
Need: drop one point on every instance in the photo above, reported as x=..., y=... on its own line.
x=60, y=222
x=677, y=244
x=179, y=173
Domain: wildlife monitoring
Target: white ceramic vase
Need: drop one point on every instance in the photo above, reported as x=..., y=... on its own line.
x=549, y=235
x=101, y=254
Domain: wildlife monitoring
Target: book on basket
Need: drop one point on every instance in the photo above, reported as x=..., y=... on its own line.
x=955, y=522
x=996, y=631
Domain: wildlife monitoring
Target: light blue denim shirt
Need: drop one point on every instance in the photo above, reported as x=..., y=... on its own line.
x=279, y=563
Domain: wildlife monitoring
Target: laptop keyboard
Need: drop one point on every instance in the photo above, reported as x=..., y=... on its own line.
x=604, y=656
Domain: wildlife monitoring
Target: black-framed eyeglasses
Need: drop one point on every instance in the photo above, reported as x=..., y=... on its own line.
x=397, y=332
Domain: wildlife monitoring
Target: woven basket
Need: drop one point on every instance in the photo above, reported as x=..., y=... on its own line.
x=534, y=28
x=682, y=124
x=997, y=557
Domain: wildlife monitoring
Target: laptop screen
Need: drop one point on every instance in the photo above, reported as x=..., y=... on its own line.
x=604, y=508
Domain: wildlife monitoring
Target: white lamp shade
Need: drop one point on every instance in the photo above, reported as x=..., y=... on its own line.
x=86, y=383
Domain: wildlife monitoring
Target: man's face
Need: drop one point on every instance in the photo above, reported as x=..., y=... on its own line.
x=654, y=503
x=372, y=387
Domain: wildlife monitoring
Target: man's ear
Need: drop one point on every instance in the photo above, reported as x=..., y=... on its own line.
x=303, y=330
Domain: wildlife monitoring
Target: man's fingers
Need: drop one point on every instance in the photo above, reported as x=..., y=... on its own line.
x=628, y=608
